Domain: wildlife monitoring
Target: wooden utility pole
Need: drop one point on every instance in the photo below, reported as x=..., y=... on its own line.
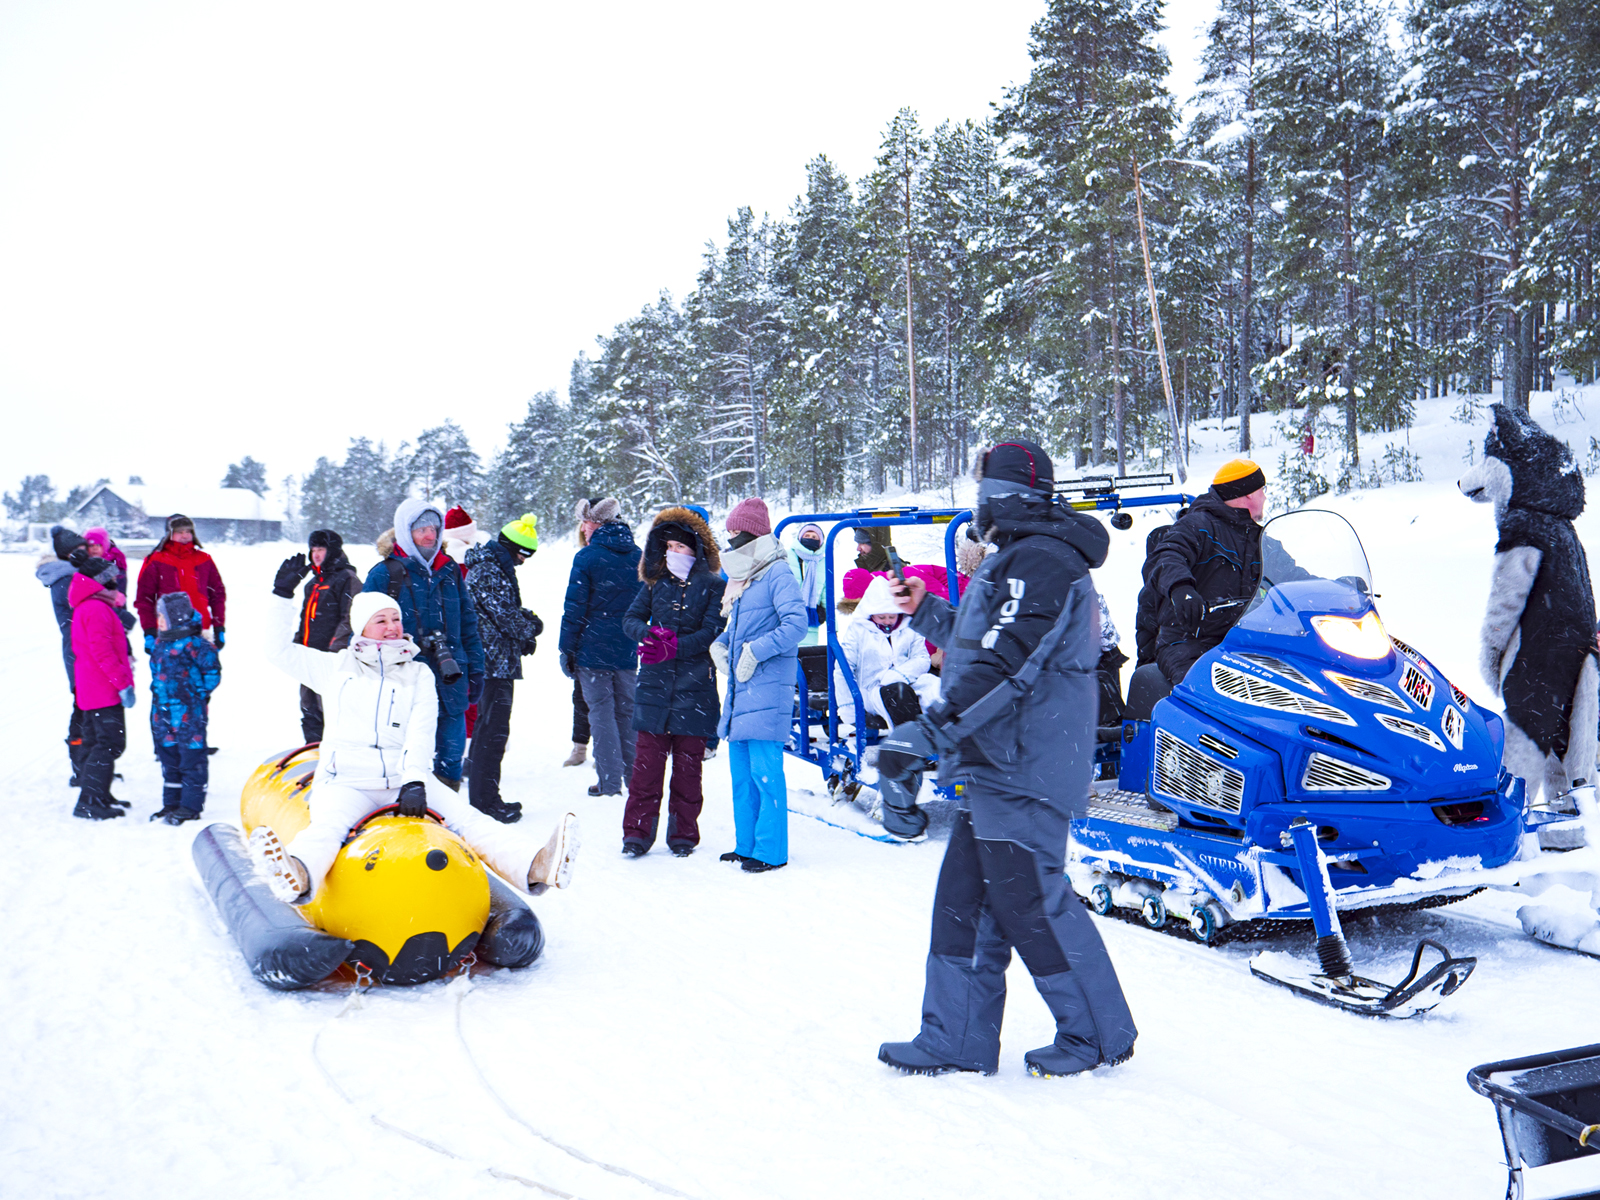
x=1178, y=457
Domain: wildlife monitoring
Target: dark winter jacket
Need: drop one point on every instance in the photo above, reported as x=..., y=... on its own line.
x=325, y=608
x=184, y=670
x=603, y=584
x=1216, y=550
x=1147, y=617
x=678, y=696
x=433, y=598
x=507, y=629
x=180, y=567
x=57, y=576
x=1043, y=743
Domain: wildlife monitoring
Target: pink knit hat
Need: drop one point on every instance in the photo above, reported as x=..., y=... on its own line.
x=750, y=516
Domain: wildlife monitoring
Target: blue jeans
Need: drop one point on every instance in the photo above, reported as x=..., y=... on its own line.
x=760, y=800
x=449, y=743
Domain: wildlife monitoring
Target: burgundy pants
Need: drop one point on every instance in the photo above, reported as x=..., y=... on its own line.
x=643, y=810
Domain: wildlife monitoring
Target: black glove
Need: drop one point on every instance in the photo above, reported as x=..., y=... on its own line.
x=128, y=619
x=79, y=554
x=220, y=636
x=474, y=688
x=538, y=625
x=1187, y=607
x=290, y=572
x=413, y=800
x=569, y=666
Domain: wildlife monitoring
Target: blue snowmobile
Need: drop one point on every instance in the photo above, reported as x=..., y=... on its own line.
x=1309, y=764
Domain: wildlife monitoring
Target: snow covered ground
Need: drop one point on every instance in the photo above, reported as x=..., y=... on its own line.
x=713, y=1031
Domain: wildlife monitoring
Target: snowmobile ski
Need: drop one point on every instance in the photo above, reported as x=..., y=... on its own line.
x=1414, y=995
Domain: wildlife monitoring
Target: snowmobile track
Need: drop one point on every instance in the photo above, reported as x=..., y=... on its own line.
x=1261, y=928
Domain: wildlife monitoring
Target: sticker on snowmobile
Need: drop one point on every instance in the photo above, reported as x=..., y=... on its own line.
x=1454, y=725
x=1418, y=686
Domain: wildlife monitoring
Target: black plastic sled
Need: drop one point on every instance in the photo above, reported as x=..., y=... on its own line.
x=1548, y=1106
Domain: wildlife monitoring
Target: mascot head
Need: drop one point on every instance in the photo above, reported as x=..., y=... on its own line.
x=1524, y=467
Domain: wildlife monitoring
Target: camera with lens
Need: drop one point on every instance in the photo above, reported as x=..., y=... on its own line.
x=434, y=643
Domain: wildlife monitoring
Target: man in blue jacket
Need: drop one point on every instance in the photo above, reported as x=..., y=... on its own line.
x=437, y=612
x=595, y=648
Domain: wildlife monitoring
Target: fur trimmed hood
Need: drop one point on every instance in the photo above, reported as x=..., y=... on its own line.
x=653, y=562
x=385, y=543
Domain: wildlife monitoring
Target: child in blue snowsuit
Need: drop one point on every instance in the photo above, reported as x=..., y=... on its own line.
x=184, y=671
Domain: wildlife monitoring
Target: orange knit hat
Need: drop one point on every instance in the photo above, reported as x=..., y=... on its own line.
x=1237, y=477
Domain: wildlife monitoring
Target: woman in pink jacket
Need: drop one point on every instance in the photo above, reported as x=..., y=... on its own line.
x=102, y=677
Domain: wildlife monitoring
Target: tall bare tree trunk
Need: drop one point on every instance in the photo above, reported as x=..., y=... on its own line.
x=911, y=337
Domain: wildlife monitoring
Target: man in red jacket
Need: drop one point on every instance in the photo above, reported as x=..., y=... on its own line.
x=179, y=565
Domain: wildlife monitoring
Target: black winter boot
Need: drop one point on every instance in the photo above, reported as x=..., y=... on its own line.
x=502, y=811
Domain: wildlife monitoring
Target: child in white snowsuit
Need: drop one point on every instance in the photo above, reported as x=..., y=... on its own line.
x=890, y=663
x=381, y=712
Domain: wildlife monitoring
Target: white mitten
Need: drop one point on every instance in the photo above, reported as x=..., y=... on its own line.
x=747, y=665
x=719, y=656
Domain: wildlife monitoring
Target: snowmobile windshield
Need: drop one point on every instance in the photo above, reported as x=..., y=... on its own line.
x=1312, y=543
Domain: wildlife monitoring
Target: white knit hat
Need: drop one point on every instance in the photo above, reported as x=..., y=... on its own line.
x=367, y=605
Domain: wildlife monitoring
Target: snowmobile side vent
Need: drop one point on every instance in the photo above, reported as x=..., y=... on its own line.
x=1411, y=729
x=1278, y=667
x=1326, y=774
x=1414, y=655
x=1247, y=689
x=1373, y=693
x=1467, y=813
x=1460, y=697
x=1453, y=724
x=1418, y=686
x=1218, y=745
x=1186, y=774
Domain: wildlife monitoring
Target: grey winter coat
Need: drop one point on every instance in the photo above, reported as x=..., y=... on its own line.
x=770, y=617
x=506, y=629
x=57, y=576
x=1043, y=743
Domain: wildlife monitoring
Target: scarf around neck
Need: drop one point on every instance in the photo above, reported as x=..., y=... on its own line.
x=746, y=564
x=393, y=652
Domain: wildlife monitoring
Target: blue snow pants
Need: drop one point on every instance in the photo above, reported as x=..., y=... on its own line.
x=1001, y=886
x=185, y=774
x=449, y=744
x=760, y=800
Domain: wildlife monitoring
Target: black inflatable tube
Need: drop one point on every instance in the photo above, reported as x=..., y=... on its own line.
x=282, y=949
x=513, y=936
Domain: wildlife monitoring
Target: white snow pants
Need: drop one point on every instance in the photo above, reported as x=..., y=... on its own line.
x=335, y=807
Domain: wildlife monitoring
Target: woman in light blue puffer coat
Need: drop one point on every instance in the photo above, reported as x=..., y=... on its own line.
x=758, y=651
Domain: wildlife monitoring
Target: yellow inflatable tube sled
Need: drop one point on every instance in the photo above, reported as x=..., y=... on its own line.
x=406, y=899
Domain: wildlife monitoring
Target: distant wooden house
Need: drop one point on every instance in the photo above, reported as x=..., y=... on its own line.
x=219, y=514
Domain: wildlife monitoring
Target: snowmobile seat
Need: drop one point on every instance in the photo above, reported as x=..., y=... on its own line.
x=1549, y=1111
x=1146, y=687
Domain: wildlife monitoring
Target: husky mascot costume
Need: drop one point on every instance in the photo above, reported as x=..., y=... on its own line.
x=1538, y=646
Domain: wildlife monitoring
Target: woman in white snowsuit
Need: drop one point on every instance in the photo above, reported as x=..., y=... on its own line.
x=890, y=663
x=381, y=712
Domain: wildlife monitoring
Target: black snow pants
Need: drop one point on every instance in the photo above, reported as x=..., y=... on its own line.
x=185, y=775
x=1001, y=887
x=310, y=715
x=580, y=713
x=105, y=737
x=75, y=741
x=489, y=737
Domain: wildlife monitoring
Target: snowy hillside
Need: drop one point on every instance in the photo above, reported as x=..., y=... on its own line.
x=711, y=1030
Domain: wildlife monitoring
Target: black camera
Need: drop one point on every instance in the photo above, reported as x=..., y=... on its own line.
x=434, y=643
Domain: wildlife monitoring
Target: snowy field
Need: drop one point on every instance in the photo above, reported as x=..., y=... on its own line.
x=713, y=1031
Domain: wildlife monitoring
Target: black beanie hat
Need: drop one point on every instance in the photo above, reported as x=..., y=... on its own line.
x=179, y=611
x=326, y=539
x=63, y=541
x=1020, y=461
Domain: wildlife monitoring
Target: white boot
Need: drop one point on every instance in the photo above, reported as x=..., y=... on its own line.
x=285, y=875
x=552, y=866
x=580, y=751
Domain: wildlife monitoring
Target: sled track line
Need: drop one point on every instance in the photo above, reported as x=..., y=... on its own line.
x=1244, y=931
x=462, y=986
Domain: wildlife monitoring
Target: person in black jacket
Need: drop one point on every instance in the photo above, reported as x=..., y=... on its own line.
x=594, y=646
x=1025, y=765
x=674, y=618
x=508, y=632
x=1207, y=567
x=55, y=572
x=324, y=609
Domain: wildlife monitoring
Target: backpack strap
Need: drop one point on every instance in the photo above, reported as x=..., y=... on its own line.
x=397, y=576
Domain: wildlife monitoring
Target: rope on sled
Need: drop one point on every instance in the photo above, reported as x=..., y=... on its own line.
x=356, y=1002
x=463, y=986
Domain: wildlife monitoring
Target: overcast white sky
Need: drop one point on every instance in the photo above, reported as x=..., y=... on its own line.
x=233, y=228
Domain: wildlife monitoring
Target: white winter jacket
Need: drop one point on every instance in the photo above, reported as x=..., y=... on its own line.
x=379, y=715
x=877, y=658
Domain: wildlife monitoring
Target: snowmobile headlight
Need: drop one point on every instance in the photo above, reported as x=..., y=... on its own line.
x=1359, y=639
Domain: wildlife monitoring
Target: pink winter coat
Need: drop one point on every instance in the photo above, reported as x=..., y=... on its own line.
x=101, y=668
